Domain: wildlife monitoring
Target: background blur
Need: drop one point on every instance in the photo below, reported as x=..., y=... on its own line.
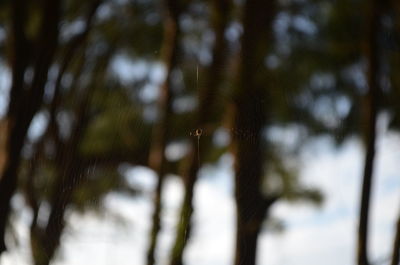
x=199, y=132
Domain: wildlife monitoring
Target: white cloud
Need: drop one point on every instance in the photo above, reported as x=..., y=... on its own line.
x=313, y=236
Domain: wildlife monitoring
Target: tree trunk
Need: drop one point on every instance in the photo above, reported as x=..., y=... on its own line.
x=45, y=243
x=70, y=172
x=157, y=160
x=24, y=103
x=183, y=226
x=250, y=109
x=372, y=101
x=205, y=116
x=396, y=245
x=69, y=176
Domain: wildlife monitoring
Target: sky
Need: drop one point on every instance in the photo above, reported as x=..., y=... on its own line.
x=313, y=235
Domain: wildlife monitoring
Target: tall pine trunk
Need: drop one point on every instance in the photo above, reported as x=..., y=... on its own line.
x=206, y=113
x=396, y=245
x=157, y=159
x=25, y=99
x=69, y=175
x=70, y=168
x=250, y=109
x=371, y=106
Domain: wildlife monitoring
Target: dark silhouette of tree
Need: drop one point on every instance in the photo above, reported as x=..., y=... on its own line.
x=396, y=245
x=392, y=100
x=79, y=173
x=372, y=106
x=207, y=113
x=25, y=97
x=250, y=108
x=70, y=173
x=157, y=160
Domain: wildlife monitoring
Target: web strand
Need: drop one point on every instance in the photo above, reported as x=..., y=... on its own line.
x=198, y=131
x=198, y=150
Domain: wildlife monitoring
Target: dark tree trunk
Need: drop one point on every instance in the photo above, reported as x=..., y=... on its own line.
x=205, y=116
x=70, y=174
x=396, y=245
x=157, y=160
x=184, y=227
x=45, y=244
x=250, y=109
x=372, y=101
x=52, y=129
x=24, y=103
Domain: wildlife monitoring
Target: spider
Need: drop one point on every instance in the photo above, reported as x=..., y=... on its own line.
x=198, y=132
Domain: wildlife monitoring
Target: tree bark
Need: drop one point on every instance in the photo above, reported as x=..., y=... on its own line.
x=70, y=174
x=396, y=245
x=24, y=103
x=52, y=129
x=250, y=109
x=372, y=101
x=207, y=96
x=157, y=159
